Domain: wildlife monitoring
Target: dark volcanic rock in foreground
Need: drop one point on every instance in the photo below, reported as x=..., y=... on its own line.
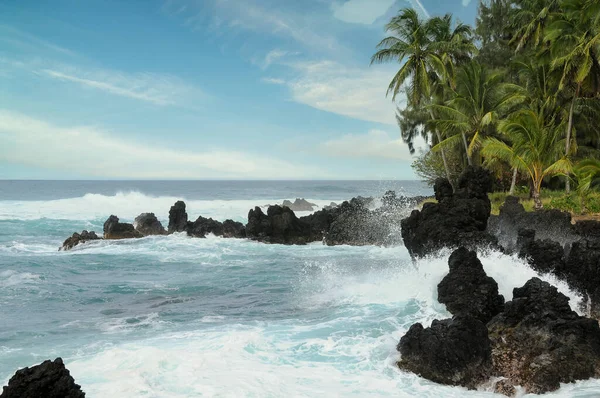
x=113, y=229
x=453, y=351
x=534, y=341
x=178, y=217
x=458, y=219
x=148, y=224
x=47, y=380
x=77, y=239
x=538, y=342
x=467, y=290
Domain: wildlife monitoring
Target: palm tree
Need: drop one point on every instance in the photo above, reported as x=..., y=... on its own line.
x=410, y=43
x=425, y=49
x=530, y=18
x=575, y=38
x=481, y=98
x=536, y=145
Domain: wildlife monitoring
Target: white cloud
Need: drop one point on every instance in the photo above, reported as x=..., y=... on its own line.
x=466, y=2
x=361, y=11
x=355, y=92
x=93, y=152
x=158, y=89
x=273, y=56
x=376, y=144
x=273, y=80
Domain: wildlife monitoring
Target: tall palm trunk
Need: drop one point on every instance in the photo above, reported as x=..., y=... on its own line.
x=443, y=153
x=569, y=129
x=537, y=200
x=513, y=183
x=464, y=137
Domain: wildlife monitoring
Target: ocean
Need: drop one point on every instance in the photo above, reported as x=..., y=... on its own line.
x=173, y=316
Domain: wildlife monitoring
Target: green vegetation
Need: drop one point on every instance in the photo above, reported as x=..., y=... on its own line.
x=518, y=94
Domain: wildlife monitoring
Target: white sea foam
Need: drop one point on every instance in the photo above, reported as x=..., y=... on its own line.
x=349, y=352
x=129, y=205
x=11, y=278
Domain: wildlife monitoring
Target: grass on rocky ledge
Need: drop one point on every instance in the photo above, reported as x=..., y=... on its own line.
x=551, y=200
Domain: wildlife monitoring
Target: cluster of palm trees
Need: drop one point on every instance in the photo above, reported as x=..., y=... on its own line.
x=519, y=94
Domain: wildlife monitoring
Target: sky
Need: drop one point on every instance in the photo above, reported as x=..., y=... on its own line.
x=201, y=89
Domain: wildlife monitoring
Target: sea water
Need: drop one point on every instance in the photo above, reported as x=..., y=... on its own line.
x=174, y=316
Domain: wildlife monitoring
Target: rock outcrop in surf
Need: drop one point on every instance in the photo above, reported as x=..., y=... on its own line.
x=457, y=219
x=467, y=290
x=114, y=229
x=453, y=351
x=178, y=218
x=204, y=226
x=538, y=342
x=50, y=379
x=535, y=341
x=77, y=239
x=147, y=224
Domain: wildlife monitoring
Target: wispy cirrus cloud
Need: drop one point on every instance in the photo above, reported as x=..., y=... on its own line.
x=155, y=88
x=33, y=142
x=355, y=92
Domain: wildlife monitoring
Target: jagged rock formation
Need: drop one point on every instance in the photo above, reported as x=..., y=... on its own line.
x=113, y=229
x=458, y=219
x=148, y=224
x=538, y=342
x=467, y=290
x=77, y=239
x=178, y=218
x=452, y=351
x=50, y=379
x=535, y=341
x=351, y=223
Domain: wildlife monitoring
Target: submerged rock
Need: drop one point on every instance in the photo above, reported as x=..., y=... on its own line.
x=50, y=379
x=77, y=239
x=452, y=351
x=148, y=224
x=299, y=205
x=458, y=219
x=538, y=342
x=178, y=218
x=113, y=229
x=467, y=290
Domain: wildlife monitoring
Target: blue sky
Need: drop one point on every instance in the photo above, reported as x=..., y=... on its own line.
x=200, y=89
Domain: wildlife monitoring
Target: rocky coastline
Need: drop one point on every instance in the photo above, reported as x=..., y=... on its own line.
x=354, y=222
x=531, y=343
